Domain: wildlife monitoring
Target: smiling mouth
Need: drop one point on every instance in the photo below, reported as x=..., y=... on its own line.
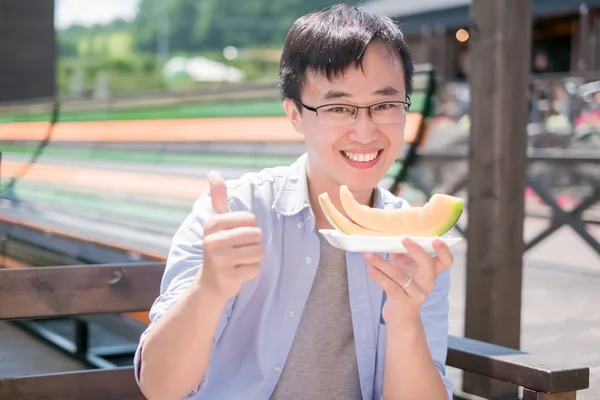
x=361, y=157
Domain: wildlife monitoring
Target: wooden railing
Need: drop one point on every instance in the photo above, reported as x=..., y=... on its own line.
x=564, y=158
x=116, y=288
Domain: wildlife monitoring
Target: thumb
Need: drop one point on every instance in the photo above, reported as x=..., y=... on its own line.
x=218, y=193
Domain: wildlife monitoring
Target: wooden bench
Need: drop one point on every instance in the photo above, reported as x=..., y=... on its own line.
x=120, y=288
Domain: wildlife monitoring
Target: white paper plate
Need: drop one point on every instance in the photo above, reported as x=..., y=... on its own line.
x=380, y=244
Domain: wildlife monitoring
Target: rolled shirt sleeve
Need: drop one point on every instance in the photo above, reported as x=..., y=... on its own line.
x=434, y=315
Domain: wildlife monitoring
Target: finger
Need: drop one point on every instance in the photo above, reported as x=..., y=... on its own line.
x=421, y=257
x=218, y=193
x=230, y=220
x=224, y=241
x=241, y=236
x=386, y=283
x=404, y=280
x=394, y=272
x=405, y=262
x=444, y=258
x=246, y=255
x=247, y=271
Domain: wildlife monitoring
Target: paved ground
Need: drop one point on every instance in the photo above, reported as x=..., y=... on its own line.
x=561, y=301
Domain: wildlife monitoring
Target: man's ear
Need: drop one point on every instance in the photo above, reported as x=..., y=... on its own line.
x=291, y=109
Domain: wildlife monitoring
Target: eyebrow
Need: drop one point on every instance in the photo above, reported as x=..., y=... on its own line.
x=387, y=91
x=336, y=94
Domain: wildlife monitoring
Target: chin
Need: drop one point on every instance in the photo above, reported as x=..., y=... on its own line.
x=360, y=185
x=361, y=181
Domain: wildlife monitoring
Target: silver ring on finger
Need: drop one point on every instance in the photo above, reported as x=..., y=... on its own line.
x=407, y=284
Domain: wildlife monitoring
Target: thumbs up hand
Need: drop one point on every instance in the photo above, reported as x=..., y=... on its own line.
x=218, y=193
x=232, y=245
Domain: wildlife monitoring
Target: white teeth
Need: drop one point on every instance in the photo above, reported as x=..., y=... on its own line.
x=360, y=157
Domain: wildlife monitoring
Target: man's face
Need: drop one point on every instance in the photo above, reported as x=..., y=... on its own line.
x=341, y=154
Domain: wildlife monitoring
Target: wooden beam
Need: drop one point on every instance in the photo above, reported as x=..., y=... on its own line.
x=500, y=43
x=78, y=289
x=118, y=383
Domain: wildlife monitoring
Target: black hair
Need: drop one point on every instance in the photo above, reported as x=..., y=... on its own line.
x=329, y=41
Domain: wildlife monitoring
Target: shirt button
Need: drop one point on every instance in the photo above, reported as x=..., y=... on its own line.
x=300, y=224
x=308, y=260
x=277, y=368
x=292, y=313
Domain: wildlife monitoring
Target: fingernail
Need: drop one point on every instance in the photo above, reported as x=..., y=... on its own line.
x=213, y=176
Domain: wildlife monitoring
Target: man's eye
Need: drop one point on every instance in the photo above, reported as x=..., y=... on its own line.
x=386, y=106
x=338, y=109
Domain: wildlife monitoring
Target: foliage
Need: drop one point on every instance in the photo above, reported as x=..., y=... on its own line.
x=215, y=24
x=132, y=53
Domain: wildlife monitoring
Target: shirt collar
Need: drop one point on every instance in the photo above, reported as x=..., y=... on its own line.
x=292, y=197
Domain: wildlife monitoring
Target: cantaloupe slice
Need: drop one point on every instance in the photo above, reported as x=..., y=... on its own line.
x=435, y=218
x=340, y=222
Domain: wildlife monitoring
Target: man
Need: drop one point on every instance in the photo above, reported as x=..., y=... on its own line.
x=254, y=303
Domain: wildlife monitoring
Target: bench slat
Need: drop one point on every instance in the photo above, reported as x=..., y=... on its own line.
x=117, y=383
x=80, y=289
x=517, y=367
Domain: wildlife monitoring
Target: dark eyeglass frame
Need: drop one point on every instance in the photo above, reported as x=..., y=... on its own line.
x=408, y=103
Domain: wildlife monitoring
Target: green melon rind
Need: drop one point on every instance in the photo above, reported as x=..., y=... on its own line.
x=329, y=218
x=457, y=209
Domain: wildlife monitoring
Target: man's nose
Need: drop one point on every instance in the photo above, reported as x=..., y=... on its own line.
x=364, y=130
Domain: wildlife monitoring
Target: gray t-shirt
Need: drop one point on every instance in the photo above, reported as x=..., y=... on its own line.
x=322, y=361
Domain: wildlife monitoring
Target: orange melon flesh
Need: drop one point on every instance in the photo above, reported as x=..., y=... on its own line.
x=435, y=218
x=340, y=222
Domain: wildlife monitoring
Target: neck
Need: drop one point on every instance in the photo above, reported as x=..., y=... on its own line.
x=321, y=184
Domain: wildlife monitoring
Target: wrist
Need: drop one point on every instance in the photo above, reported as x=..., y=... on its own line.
x=399, y=315
x=405, y=326
x=203, y=296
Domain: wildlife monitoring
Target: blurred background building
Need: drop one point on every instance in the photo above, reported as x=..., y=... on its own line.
x=565, y=33
x=123, y=46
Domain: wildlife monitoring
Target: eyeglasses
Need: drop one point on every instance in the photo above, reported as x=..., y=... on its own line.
x=341, y=114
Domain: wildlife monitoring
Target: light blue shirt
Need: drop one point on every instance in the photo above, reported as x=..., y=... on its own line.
x=257, y=327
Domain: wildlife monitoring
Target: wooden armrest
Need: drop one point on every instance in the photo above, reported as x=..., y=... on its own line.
x=516, y=367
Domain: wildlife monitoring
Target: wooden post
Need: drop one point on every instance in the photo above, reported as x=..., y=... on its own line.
x=499, y=70
x=584, y=38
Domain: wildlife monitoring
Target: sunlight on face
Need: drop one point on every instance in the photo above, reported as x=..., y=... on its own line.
x=341, y=154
